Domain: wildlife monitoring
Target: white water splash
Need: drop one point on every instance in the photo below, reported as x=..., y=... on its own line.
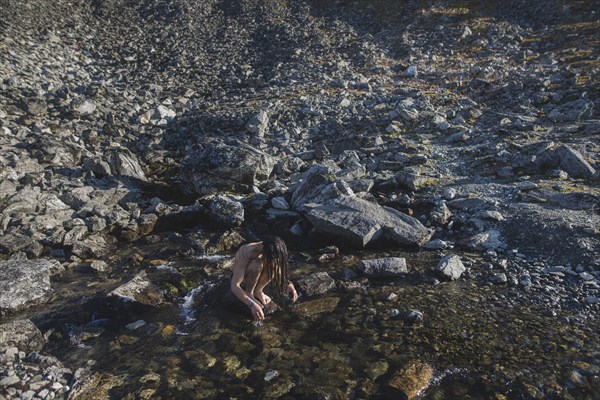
x=187, y=307
x=212, y=258
x=168, y=267
x=439, y=376
x=75, y=339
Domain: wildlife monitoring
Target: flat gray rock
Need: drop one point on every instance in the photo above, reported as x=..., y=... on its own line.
x=12, y=243
x=468, y=203
x=383, y=267
x=25, y=283
x=319, y=186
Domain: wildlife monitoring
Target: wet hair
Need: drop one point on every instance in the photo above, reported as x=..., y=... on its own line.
x=275, y=256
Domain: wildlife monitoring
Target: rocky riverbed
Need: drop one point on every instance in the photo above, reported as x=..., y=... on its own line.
x=433, y=166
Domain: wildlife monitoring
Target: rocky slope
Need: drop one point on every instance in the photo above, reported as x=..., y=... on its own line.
x=441, y=124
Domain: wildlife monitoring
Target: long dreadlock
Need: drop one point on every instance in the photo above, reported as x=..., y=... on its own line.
x=275, y=256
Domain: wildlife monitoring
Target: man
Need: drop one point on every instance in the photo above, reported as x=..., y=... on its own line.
x=254, y=267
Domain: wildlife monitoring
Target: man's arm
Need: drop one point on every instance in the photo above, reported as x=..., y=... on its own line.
x=239, y=268
x=292, y=291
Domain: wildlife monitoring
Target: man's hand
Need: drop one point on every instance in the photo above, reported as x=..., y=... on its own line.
x=263, y=298
x=292, y=292
x=257, y=311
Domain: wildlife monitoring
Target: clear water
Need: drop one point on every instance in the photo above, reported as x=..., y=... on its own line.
x=481, y=341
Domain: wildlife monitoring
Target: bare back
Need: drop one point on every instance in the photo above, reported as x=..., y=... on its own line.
x=248, y=270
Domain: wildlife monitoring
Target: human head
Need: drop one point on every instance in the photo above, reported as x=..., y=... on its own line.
x=275, y=256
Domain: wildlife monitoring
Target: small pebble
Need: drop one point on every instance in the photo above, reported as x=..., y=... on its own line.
x=271, y=374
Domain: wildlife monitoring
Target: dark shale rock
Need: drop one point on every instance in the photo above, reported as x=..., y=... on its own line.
x=572, y=111
x=125, y=163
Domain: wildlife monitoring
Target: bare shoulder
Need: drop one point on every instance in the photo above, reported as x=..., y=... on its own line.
x=248, y=252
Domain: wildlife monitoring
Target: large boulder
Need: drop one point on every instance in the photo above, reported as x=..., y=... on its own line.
x=25, y=283
x=361, y=222
x=319, y=186
x=332, y=208
x=11, y=243
x=23, y=201
x=22, y=334
x=567, y=159
x=226, y=167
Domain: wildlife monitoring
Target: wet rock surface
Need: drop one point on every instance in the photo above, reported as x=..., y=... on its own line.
x=157, y=137
x=140, y=290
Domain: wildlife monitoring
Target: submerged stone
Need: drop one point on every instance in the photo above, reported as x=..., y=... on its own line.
x=317, y=306
x=139, y=290
x=412, y=379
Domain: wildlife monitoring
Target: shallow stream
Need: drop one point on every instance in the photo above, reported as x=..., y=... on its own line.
x=480, y=341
